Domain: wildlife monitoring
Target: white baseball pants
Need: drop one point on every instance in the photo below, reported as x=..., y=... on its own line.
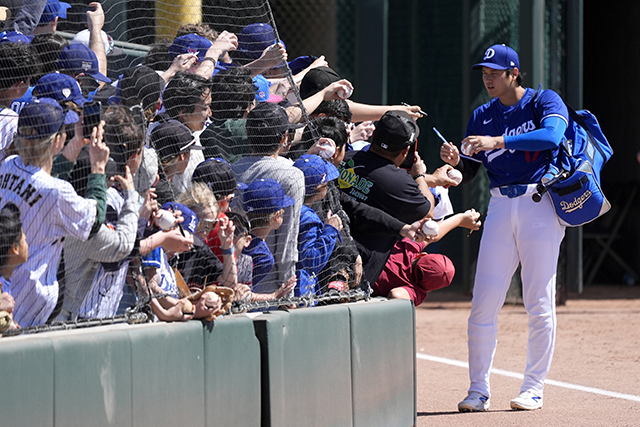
x=516, y=230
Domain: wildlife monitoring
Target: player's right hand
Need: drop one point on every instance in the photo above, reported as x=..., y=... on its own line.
x=450, y=154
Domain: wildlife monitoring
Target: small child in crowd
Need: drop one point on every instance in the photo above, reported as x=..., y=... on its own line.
x=317, y=238
x=14, y=251
x=264, y=201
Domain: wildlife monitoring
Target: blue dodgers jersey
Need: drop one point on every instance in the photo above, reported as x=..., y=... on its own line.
x=504, y=166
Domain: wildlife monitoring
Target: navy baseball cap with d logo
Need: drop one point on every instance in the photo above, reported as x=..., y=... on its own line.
x=499, y=57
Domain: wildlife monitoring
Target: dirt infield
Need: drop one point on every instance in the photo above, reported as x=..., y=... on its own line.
x=594, y=378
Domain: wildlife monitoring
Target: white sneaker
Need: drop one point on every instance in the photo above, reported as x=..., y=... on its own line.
x=474, y=402
x=527, y=401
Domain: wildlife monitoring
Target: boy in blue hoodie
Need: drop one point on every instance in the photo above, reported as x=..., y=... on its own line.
x=317, y=238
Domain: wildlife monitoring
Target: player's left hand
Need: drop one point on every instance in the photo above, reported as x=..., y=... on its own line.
x=450, y=154
x=483, y=143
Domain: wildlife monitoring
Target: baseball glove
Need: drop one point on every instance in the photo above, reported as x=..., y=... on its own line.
x=226, y=296
x=5, y=320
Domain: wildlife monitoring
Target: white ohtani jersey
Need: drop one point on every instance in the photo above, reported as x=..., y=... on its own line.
x=50, y=209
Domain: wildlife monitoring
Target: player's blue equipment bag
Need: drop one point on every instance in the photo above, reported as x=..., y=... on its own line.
x=573, y=178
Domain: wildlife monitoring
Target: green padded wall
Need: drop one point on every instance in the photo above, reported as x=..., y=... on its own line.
x=26, y=372
x=92, y=378
x=167, y=365
x=383, y=364
x=306, y=367
x=340, y=365
x=231, y=373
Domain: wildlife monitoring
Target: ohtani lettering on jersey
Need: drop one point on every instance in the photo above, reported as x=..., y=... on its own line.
x=15, y=184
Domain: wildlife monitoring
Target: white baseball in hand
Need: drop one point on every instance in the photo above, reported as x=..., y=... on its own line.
x=455, y=175
x=467, y=149
x=166, y=220
x=344, y=93
x=430, y=228
x=328, y=150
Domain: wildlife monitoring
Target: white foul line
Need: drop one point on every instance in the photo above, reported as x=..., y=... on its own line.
x=520, y=376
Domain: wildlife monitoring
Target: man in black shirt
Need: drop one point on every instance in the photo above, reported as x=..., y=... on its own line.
x=375, y=178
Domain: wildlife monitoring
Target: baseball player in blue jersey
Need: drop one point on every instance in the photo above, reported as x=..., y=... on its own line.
x=503, y=135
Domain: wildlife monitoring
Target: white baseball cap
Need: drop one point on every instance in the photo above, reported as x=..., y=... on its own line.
x=109, y=45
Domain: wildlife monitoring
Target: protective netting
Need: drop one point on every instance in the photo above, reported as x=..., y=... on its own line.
x=178, y=84
x=111, y=212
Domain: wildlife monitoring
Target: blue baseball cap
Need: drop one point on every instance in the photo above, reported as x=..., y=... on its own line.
x=262, y=90
x=14, y=37
x=499, y=57
x=190, y=43
x=43, y=116
x=60, y=87
x=190, y=222
x=255, y=38
x=317, y=171
x=54, y=9
x=78, y=58
x=265, y=196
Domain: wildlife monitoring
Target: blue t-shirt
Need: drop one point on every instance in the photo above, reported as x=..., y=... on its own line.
x=315, y=245
x=262, y=258
x=504, y=166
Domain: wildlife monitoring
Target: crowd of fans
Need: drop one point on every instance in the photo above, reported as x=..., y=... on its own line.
x=206, y=171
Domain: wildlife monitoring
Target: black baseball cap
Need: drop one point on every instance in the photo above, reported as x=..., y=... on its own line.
x=218, y=176
x=269, y=119
x=140, y=84
x=395, y=131
x=172, y=138
x=317, y=79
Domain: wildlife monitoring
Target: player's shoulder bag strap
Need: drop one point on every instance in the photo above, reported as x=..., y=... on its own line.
x=573, y=177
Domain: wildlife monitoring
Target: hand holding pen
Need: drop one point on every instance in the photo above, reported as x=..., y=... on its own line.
x=414, y=110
